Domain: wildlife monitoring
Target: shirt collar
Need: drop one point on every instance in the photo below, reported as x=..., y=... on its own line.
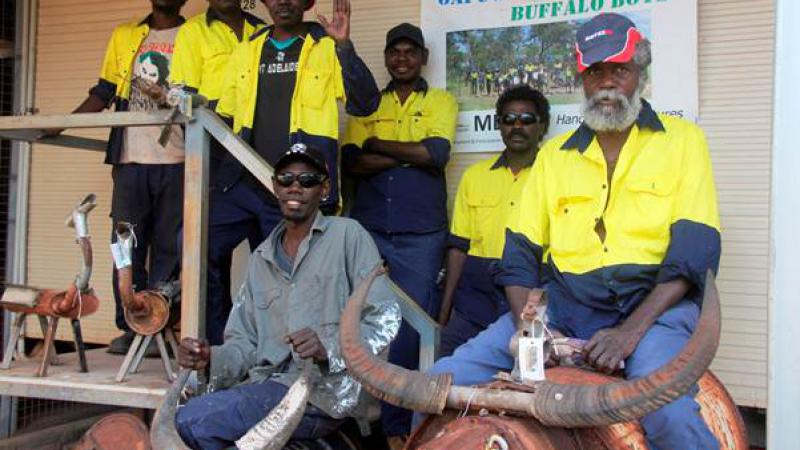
x=316, y=31
x=267, y=248
x=212, y=15
x=502, y=161
x=583, y=136
x=149, y=20
x=420, y=86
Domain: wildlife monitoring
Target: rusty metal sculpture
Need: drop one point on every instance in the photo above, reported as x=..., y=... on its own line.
x=572, y=409
x=147, y=313
x=113, y=432
x=50, y=305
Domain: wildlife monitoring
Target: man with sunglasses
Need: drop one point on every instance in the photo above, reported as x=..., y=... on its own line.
x=619, y=224
x=488, y=193
x=281, y=86
x=398, y=156
x=287, y=314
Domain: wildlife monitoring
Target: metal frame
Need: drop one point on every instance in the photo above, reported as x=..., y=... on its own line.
x=201, y=124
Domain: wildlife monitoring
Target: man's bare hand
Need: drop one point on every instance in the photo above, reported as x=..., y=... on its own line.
x=529, y=311
x=194, y=354
x=609, y=347
x=338, y=28
x=306, y=344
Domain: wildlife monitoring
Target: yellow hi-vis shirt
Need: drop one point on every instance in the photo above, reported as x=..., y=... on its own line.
x=487, y=195
x=202, y=49
x=661, y=220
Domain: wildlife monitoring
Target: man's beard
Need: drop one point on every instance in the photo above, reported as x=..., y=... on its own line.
x=618, y=116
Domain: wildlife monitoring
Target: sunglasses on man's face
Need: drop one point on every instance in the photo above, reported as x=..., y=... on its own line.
x=306, y=179
x=525, y=118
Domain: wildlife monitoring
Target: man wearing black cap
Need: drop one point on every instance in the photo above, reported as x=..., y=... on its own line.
x=287, y=311
x=622, y=215
x=398, y=157
x=281, y=87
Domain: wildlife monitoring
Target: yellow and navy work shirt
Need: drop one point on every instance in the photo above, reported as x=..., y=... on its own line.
x=325, y=73
x=661, y=220
x=404, y=199
x=202, y=49
x=487, y=195
x=114, y=85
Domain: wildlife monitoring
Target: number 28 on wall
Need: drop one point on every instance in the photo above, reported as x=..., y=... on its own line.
x=248, y=4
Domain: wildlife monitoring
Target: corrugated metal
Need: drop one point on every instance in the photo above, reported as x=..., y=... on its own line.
x=735, y=108
x=736, y=66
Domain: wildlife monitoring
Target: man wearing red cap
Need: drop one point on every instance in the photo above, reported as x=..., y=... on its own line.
x=281, y=87
x=619, y=225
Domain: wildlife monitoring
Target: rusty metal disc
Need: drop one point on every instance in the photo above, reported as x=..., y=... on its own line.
x=153, y=322
x=114, y=432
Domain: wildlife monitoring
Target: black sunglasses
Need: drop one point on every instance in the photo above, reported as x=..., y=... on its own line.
x=306, y=179
x=525, y=118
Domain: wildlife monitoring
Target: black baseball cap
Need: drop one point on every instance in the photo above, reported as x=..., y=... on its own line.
x=608, y=37
x=304, y=153
x=405, y=31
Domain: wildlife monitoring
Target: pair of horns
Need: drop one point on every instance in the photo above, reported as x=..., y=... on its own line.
x=552, y=404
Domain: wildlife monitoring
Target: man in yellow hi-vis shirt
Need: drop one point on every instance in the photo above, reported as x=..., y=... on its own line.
x=489, y=191
x=398, y=157
x=619, y=224
x=281, y=87
x=204, y=45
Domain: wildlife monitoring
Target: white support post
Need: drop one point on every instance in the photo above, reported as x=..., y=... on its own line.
x=783, y=412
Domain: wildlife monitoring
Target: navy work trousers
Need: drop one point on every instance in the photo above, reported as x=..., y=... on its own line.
x=215, y=421
x=414, y=262
x=149, y=197
x=239, y=213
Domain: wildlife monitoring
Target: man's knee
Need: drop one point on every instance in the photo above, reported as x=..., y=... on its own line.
x=678, y=425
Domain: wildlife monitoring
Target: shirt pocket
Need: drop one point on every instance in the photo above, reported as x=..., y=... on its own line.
x=648, y=206
x=572, y=227
x=486, y=217
x=384, y=126
x=315, y=88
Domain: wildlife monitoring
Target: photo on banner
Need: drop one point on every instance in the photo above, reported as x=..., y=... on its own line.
x=481, y=48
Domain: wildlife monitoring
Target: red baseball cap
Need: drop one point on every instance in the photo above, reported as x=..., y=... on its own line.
x=608, y=37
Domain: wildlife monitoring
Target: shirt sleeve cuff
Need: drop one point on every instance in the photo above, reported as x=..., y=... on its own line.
x=458, y=242
x=520, y=263
x=439, y=149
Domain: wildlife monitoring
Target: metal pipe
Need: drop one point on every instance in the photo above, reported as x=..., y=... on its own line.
x=78, y=219
x=122, y=251
x=163, y=434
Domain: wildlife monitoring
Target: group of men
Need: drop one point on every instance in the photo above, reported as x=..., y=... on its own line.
x=617, y=221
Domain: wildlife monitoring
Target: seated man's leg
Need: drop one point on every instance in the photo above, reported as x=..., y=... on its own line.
x=217, y=420
x=457, y=332
x=678, y=424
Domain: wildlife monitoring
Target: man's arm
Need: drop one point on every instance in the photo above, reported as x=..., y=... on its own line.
x=359, y=87
x=231, y=361
x=527, y=236
x=357, y=162
x=694, y=249
x=456, y=258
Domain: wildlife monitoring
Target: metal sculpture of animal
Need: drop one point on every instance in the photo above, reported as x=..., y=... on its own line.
x=51, y=305
x=572, y=409
x=148, y=313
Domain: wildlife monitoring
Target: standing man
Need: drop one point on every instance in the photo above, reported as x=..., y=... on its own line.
x=623, y=213
x=280, y=88
x=287, y=312
x=204, y=45
x=398, y=156
x=488, y=193
x=147, y=176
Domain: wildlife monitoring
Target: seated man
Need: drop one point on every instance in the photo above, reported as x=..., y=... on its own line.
x=623, y=212
x=287, y=310
x=487, y=194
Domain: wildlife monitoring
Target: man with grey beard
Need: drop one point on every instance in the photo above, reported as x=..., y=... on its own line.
x=619, y=225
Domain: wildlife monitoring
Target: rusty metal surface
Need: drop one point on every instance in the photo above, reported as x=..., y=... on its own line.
x=151, y=317
x=116, y=432
x=66, y=304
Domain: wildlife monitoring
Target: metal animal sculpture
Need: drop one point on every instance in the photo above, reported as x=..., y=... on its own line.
x=149, y=314
x=572, y=409
x=51, y=305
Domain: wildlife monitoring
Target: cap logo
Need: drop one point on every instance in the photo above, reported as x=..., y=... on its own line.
x=298, y=148
x=598, y=34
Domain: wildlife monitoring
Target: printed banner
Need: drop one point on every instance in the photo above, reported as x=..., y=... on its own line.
x=481, y=47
